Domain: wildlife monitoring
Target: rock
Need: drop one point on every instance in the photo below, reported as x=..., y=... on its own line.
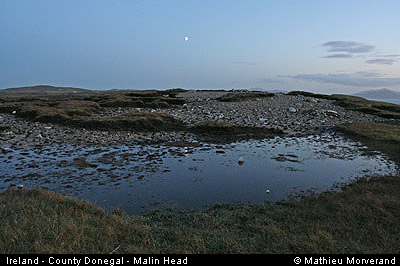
x=241, y=160
x=268, y=191
x=292, y=110
x=332, y=113
x=20, y=186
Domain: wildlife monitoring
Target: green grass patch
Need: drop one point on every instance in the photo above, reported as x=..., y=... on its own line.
x=363, y=218
x=138, y=100
x=227, y=130
x=243, y=96
x=309, y=94
x=38, y=221
x=80, y=111
x=354, y=103
x=134, y=122
x=50, y=110
x=377, y=136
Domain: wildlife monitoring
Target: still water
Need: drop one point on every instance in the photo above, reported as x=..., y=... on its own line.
x=138, y=178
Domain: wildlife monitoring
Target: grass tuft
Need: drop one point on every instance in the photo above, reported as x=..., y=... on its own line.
x=243, y=96
x=363, y=218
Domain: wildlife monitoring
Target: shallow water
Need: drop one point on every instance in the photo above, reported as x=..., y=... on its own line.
x=137, y=178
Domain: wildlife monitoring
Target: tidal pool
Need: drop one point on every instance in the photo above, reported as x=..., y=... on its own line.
x=137, y=178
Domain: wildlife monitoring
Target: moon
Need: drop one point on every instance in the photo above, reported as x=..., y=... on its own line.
x=186, y=38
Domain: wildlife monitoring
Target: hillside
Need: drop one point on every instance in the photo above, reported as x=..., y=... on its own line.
x=42, y=89
x=379, y=94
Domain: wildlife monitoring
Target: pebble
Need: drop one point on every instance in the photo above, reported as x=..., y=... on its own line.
x=311, y=116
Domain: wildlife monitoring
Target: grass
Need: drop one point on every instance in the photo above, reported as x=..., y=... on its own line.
x=134, y=122
x=377, y=136
x=50, y=110
x=138, y=100
x=219, y=128
x=38, y=221
x=80, y=111
x=354, y=103
x=363, y=218
x=382, y=109
x=243, y=96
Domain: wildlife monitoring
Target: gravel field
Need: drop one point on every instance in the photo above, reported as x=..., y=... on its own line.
x=295, y=115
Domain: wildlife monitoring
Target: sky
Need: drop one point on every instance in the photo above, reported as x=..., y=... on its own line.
x=321, y=46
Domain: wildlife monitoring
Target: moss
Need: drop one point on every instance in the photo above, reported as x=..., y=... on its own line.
x=363, y=218
x=139, y=99
x=225, y=129
x=243, y=96
x=135, y=122
x=377, y=136
x=81, y=111
x=354, y=103
x=308, y=94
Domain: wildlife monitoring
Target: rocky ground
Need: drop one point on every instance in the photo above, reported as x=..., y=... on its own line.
x=296, y=115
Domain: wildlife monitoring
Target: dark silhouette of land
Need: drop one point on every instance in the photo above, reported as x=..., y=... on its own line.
x=43, y=89
x=379, y=94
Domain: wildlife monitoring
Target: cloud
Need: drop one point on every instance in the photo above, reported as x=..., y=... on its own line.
x=348, y=47
x=359, y=79
x=339, y=56
x=381, y=61
x=390, y=55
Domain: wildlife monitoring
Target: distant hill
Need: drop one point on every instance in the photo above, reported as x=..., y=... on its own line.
x=277, y=91
x=269, y=90
x=379, y=94
x=43, y=89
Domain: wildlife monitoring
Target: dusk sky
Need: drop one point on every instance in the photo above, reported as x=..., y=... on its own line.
x=321, y=46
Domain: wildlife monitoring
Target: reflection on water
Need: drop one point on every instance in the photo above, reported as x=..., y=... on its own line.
x=136, y=178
